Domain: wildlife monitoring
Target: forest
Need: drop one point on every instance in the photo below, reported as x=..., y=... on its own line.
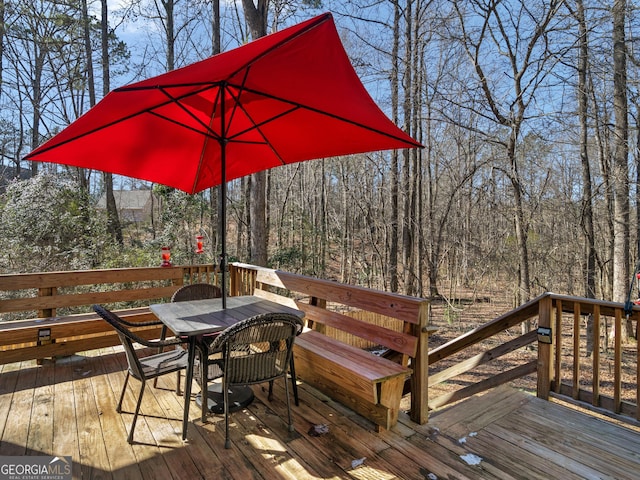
x=527, y=113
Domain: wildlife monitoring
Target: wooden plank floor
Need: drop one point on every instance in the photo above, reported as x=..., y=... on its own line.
x=68, y=408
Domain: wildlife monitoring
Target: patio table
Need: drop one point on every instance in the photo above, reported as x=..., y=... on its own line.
x=196, y=318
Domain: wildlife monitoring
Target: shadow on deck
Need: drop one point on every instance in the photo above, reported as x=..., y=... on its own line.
x=68, y=408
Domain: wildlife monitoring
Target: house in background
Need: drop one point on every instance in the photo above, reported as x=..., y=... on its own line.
x=133, y=205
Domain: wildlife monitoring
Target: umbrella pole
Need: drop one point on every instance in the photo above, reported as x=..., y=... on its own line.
x=223, y=225
x=223, y=197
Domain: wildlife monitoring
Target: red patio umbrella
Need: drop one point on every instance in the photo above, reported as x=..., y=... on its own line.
x=284, y=98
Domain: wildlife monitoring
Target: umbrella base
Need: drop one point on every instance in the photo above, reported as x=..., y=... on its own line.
x=239, y=397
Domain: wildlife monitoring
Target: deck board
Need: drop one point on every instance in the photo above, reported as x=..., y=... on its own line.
x=68, y=408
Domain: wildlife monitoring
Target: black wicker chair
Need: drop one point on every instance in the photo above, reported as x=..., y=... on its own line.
x=196, y=291
x=144, y=368
x=193, y=291
x=255, y=350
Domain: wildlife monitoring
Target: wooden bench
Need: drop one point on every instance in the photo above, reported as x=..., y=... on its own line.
x=39, y=297
x=369, y=384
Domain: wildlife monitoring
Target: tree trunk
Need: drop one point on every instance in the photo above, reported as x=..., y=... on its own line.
x=215, y=27
x=256, y=17
x=587, y=190
x=416, y=112
x=620, y=175
x=82, y=173
x=114, y=226
x=395, y=165
x=39, y=56
x=214, y=192
x=2, y=31
x=169, y=33
x=408, y=213
x=604, y=161
x=324, y=219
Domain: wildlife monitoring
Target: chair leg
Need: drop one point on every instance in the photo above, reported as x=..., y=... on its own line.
x=294, y=384
x=292, y=372
x=225, y=388
x=204, y=382
x=135, y=415
x=178, y=391
x=286, y=392
x=124, y=389
x=163, y=335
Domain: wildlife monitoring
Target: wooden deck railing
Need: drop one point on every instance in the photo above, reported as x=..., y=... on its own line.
x=49, y=314
x=562, y=368
x=574, y=375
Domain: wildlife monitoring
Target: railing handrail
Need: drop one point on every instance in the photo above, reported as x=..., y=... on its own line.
x=487, y=330
x=43, y=314
x=47, y=286
x=72, y=278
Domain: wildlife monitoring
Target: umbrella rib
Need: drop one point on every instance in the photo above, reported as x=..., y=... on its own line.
x=320, y=20
x=176, y=100
x=85, y=134
x=135, y=114
x=208, y=133
x=256, y=125
x=299, y=105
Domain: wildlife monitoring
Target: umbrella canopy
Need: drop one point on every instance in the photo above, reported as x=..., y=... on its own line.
x=284, y=98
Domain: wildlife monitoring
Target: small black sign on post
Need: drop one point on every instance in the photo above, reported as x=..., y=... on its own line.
x=544, y=334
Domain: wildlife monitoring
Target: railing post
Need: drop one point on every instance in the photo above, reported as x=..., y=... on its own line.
x=545, y=350
x=617, y=363
x=420, y=365
x=233, y=280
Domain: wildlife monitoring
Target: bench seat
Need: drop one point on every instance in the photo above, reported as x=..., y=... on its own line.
x=369, y=384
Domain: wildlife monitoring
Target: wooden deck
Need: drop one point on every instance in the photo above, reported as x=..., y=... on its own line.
x=68, y=408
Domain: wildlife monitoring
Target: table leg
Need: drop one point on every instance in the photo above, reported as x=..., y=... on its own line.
x=187, y=386
x=204, y=378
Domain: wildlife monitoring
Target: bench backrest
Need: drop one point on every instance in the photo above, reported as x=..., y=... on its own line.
x=314, y=295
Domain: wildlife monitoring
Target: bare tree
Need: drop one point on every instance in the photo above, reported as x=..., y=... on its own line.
x=620, y=171
x=44, y=61
x=214, y=193
x=529, y=59
x=587, y=190
x=395, y=164
x=256, y=16
x=113, y=221
x=2, y=32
